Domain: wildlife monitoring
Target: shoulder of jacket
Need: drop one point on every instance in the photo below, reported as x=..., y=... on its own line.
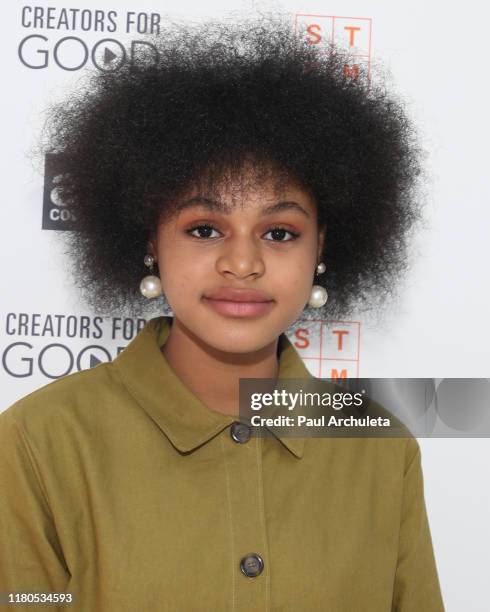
x=62, y=395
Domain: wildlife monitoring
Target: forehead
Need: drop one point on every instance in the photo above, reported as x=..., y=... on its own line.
x=267, y=192
x=263, y=208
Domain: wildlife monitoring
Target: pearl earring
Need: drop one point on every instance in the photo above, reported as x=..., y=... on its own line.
x=319, y=295
x=150, y=286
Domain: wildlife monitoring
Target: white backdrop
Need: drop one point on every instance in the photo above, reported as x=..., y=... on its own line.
x=438, y=328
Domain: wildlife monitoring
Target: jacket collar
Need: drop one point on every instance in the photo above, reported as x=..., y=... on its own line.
x=184, y=419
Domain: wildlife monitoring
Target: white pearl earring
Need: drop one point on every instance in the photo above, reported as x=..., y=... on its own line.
x=150, y=286
x=319, y=295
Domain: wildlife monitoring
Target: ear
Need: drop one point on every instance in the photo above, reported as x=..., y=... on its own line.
x=151, y=247
x=321, y=240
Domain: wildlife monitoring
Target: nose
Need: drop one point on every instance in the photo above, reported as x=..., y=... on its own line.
x=241, y=257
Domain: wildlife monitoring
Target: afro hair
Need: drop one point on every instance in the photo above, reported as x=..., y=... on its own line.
x=209, y=97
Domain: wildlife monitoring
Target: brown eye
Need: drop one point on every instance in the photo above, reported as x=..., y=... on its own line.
x=202, y=229
x=279, y=232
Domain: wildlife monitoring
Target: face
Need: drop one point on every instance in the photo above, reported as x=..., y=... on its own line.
x=258, y=245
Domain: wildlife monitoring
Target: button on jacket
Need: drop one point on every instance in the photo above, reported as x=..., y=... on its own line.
x=120, y=486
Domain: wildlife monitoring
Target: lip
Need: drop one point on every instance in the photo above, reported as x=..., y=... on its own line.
x=234, y=302
x=232, y=294
x=238, y=309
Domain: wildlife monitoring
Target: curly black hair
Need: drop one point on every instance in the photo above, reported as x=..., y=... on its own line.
x=207, y=98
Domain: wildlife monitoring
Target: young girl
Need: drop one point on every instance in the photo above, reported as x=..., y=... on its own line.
x=232, y=175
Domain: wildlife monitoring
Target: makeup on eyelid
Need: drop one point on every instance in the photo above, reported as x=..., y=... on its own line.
x=294, y=235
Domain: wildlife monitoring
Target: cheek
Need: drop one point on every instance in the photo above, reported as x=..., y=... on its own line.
x=181, y=271
x=292, y=278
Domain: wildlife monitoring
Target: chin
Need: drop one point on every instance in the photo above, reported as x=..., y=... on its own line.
x=235, y=335
x=241, y=341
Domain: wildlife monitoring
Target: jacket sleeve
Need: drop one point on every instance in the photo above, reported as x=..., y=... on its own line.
x=416, y=587
x=31, y=559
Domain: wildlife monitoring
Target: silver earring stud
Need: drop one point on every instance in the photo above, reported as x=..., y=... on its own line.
x=150, y=286
x=319, y=295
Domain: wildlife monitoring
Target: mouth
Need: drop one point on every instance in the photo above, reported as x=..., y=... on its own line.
x=239, y=308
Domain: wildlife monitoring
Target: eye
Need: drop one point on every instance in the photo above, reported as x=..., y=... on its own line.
x=205, y=228
x=205, y=231
x=279, y=232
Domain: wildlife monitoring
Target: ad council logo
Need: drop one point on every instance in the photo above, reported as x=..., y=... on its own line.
x=56, y=214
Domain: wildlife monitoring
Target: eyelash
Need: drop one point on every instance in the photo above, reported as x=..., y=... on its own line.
x=294, y=235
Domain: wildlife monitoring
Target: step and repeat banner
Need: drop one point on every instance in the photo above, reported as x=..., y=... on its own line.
x=438, y=326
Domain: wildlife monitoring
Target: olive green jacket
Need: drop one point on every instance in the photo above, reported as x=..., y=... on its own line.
x=120, y=486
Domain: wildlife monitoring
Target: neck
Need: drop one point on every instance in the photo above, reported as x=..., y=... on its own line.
x=216, y=381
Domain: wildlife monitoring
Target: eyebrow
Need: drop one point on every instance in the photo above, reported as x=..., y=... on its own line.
x=216, y=206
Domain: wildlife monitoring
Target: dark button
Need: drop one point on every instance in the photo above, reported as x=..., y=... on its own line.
x=240, y=432
x=252, y=565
